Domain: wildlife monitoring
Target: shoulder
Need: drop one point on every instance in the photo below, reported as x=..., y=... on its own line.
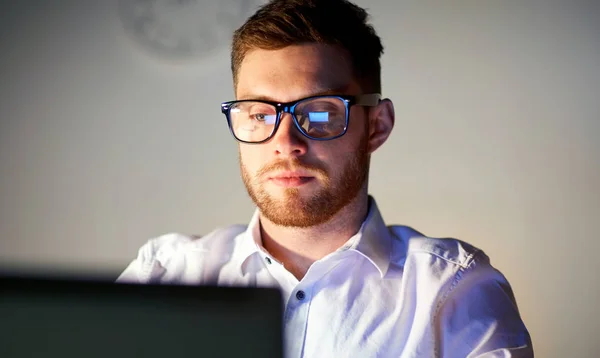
x=165, y=252
x=171, y=243
x=473, y=304
x=413, y=245
x=219, y=236
x=435, y=267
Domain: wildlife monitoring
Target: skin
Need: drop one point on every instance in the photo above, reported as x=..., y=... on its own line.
x=304, y=223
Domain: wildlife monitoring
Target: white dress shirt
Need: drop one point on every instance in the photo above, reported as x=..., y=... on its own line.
x=387, y=292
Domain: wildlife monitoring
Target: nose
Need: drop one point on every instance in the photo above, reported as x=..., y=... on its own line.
x=288, y=141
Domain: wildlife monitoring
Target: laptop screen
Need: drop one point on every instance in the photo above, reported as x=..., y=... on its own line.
x=74, y=318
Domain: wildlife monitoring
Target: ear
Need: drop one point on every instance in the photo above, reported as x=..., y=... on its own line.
x=381, y=123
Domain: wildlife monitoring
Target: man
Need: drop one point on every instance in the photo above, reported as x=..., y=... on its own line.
x=307, y=117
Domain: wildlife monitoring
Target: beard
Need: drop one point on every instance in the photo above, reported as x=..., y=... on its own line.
x=295, y=210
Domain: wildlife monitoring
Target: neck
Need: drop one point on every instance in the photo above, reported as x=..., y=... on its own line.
x=298, y=248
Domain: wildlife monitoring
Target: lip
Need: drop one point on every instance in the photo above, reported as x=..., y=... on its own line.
x=291, y=179
x=291, y=174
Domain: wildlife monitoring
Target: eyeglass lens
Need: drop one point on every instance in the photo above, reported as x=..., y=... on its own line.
x=317, y=117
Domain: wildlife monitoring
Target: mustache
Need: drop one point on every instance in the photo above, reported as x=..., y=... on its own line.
x=291, y=165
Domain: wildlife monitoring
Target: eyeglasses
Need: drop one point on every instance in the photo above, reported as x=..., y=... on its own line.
x=317, y=117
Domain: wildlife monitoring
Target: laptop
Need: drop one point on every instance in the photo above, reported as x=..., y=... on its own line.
x=44, y=317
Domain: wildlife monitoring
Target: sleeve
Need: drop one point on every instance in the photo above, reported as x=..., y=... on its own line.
x=145, y=268
x=479, y=315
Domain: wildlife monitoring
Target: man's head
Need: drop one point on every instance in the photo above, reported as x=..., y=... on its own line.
x=288, y=51
x=282, y=23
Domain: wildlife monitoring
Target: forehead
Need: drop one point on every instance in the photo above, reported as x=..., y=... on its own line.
x=294, y=72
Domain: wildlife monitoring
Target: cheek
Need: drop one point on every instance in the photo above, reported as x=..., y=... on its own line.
x=339, y=153
x=250, y=157
x=347, y=151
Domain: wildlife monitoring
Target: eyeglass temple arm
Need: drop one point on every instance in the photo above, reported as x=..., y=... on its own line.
x=371, y=99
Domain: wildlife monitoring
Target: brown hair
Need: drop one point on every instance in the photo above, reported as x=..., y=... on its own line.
x=281, y=23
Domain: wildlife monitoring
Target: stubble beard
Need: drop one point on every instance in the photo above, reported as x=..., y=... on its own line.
x=295, y=210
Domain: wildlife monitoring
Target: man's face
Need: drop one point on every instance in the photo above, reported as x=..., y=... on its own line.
x=293, y=180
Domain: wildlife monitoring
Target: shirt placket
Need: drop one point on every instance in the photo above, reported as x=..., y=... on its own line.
x=298, y=307
x=296, y=319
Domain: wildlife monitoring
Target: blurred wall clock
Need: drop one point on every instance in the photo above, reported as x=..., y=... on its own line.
x=184, y=29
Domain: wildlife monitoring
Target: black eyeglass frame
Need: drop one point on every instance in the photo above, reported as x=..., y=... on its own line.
x=367, y=100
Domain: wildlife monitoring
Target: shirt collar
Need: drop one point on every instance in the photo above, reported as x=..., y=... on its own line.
x=249, y=244
x=373, y=240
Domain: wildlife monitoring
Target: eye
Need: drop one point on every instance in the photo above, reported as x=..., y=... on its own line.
x=264, y=118
x=317, y=130
x=258, y=117
x=261, y=112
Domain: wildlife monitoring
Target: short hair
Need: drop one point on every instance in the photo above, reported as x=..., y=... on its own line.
x=282, y=23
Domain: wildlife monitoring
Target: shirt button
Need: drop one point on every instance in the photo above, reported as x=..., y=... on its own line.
x=268, y=260
x=300, y=295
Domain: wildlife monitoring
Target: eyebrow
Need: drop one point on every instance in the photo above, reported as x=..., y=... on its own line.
x=322, y=92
